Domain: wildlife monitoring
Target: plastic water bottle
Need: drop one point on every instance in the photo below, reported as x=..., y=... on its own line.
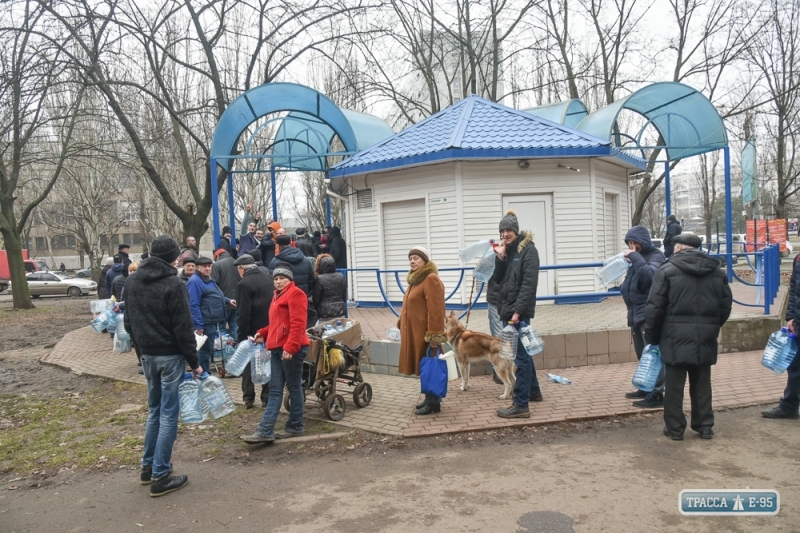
x=261, y=366
x=98, y=306
x=555, y=378
x=100, y=322
x=244, y=354
x=613, y=269
x=228, y=349
x=113, y=318
x=328, y=331
x=648, y=370
x=474, y=250
x=509, y=338
x=339, y=326
x=485, y=267
x=215, y=396
x=393, y=334
x=780, y=351
x=532, y=342
x=123, y=335
x=191, y=407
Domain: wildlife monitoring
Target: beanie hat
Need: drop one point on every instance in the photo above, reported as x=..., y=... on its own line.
x=672, y=218
x=420, y=251
x=109, y=260
x=283, y=269
x=255, y=253
x=165, y=248
x=284, y=240
x=509, y=221
x=226, y=230
x=300, y=231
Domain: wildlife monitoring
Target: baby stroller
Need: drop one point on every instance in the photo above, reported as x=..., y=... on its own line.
x=322, y=374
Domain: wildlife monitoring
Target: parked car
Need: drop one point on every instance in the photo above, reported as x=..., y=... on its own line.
x=84, y=273
x=45, y=283
x=658, y=243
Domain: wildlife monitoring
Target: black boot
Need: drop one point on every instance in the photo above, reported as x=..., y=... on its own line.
x=432, y=404
x=423, y=404
x=167, y=484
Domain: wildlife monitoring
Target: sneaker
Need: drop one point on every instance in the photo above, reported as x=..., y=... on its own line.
x=706, y=433
x=654, y=400
x=167, y=484
x=537, y=396
x=286, y=434
x=670, y=435
x=636, y=394
x=515, y=411
x=779, y=413
x=147, y=475
x=255, y=438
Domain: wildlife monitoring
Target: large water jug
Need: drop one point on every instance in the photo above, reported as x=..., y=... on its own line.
x=474, y=250
x=509, y=338
x=123, y=335
x=648, y=370
x=216, y=397
x=780, y=351
x=113, y=318
x=614, y=268
x=100, y=322
x=121, y=345
x=530, y=340
x=98, y=306
x=261, y=366
x=191, y=407
x=243, y=355
x=485, y=267
x=228, y=349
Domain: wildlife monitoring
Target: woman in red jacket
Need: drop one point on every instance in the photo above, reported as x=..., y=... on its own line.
x=286, y=339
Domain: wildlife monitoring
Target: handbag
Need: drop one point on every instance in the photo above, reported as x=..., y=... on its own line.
x=433, y=374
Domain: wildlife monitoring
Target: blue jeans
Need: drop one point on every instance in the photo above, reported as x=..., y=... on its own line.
x=164, y=374
x=233, y=323
x=206, y=351
x=495, y=324
x=791, y=396
x=290, y=374
x=527, y=383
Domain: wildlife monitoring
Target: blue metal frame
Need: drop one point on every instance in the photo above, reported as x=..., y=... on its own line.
x=667, y=189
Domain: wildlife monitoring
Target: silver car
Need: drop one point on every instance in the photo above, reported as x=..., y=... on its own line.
x=45, y=283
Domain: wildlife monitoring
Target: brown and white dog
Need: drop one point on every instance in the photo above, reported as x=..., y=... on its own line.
x=471, y=347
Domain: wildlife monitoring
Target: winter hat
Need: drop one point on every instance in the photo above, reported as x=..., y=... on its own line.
x=191, y=260
x=300, y=231
x=109, y=260
x=689, y=239
x=123, y=246
x=283, y=240
x=245, y=259
x=255, y=253
x=226, y=230
x=166, y=248
x=285, y=270
x=672, y=218
x=274, y=226
x=117, y=258
x=509, y=221
x=202, y=260
x=420, y=251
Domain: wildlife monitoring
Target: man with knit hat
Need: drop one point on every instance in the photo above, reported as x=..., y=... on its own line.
x=516, y=278
x=673, y=230
x=158, y=318
x=225, y=241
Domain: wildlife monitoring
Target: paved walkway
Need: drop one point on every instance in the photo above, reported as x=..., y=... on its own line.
x=597, y=391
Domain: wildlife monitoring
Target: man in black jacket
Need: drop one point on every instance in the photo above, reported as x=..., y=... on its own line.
x=645, y=260
x=224, y=272
x=516, y=273
x=225, y=242
x=337, y=247
x=284, y=253
x=689, y=302
x=253, y=298
x=304, y=244
x=673, y=230
x=790, y=403
x=158, y=318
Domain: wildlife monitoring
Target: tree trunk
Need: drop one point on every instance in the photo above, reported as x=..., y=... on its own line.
x=16, y=264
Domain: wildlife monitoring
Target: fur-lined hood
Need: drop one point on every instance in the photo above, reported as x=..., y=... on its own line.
x=418, y=276
x=527, y=238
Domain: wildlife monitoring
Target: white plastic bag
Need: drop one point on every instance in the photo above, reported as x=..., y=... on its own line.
x=200, y=340
x=121, y=345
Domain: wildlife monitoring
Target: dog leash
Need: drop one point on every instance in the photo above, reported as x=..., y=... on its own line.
x=469, y=309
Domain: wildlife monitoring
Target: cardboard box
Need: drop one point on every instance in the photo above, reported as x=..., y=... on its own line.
x=351, y=337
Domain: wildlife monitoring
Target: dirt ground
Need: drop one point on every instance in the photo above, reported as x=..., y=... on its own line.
x=52, y=318
x=70, y=446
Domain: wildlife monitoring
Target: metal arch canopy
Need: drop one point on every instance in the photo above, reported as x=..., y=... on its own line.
x=271, y=98
x=568, y=113
x=688, y=122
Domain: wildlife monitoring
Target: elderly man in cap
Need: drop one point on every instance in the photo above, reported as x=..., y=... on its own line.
x=227, y=277
x=188, y=270
x=158, y=318
x=253, y=298
x=123, y=250
x=207, y=302
x=689, y=302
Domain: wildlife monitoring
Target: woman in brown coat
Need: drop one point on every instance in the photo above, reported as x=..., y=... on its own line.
x=421, y=320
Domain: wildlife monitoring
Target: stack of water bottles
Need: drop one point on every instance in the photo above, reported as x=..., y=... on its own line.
x=202, y=398
x=100, y=322
x=338, y=327
x=483, y=250
x=780, y=351
x=614, y=269
x=648, y=370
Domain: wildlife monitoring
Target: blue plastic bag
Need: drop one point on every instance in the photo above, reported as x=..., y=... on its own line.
x=433, y=374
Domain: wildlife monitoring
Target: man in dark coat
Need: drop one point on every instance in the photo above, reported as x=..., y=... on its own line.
x=790, y=403
x=104, y=291
x=225, y=242
x=301, y=267
x=304, y=244
x=645, y=260
x=689, y=302
x=190, y=250
x=517, y=273
x=253, y=298
x=337, y=247
x=266, y=249
x=673, y=230
x=158, y=319
x=227, y=277
x=123, y=250
x=115, y=271
x=248, y=240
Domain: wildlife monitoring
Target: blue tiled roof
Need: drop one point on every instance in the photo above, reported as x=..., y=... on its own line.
x=476, y=128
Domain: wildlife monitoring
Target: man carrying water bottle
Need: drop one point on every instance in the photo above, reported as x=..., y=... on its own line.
x=689, y=302
x=644, y=259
